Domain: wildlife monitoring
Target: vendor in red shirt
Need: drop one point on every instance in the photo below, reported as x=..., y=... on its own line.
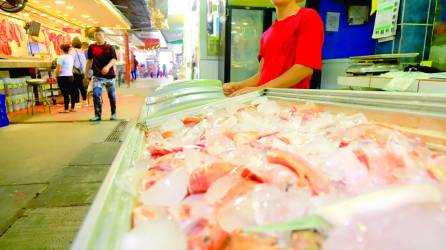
x=290, y=50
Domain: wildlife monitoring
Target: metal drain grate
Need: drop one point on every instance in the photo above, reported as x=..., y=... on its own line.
x=116, y=134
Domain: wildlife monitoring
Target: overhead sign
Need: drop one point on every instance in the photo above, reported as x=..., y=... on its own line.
x=151, y=43
x=386, y=19
x=72, y=31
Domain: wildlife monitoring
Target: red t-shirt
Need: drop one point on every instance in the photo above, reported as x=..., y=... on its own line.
x=297, y=39
x=101, y=56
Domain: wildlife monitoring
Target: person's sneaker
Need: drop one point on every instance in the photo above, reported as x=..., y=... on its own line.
x=95, y=119
x=114, y=117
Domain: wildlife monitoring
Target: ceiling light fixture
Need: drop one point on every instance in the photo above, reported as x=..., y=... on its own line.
x=59, y=2
x=85, y=16
x=69, y=7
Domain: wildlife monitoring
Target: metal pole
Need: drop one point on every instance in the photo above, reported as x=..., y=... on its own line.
x=127, y=58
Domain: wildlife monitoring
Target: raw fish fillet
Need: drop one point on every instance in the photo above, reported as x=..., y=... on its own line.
x=209, y=176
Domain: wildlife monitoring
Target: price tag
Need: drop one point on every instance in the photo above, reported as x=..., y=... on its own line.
x=426, y=63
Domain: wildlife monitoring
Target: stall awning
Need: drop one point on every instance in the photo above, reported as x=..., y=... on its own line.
x=101, y=13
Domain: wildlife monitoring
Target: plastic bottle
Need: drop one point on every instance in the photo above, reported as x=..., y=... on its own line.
x=15, y=103
x=2, y=87
x=11, y=88
x=16, y=86
x=19, y=102
x=8, y=87
x=24, y=85
x=9, y=105
x=23, y=101
x=20, y=86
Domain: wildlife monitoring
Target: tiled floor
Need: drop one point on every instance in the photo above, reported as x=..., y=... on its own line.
x=51, y=168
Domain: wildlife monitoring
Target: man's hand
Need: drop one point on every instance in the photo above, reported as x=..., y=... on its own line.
x=230, y=88
x=105, y=70
x=244, y=91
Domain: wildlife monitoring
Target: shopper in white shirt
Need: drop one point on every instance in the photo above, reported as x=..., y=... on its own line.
x=64, y=74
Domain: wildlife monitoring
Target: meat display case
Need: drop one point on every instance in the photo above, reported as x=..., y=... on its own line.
x=109, y=217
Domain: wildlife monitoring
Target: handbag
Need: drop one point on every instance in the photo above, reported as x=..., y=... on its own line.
x=78, y=71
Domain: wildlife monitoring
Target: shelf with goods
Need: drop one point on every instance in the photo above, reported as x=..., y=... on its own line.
x=15, y=93
x=416, y=115
x=58, y=22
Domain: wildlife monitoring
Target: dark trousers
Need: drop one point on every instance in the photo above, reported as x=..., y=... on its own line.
x=133, y=74
x=80, y=87
x=98, y=84
x=68, y=89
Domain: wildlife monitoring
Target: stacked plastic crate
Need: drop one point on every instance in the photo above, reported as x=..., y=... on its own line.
x=15, y=93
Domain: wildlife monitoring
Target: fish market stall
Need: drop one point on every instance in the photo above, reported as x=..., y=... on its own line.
x=279, y=169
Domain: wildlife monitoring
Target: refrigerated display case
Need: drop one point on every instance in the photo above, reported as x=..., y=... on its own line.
x=109, y=217
x=181, y=95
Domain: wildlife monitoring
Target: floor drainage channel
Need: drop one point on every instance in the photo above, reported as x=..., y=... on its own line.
x=116, y=134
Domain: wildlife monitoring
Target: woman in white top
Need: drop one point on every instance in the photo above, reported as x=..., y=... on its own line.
x=64, y=74
x=80, y=62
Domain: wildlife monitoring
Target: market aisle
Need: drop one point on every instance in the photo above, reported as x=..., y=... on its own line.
x=129, y=100
x=52, y=167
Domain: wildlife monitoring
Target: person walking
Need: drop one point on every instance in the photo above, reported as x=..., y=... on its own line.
x=79, y=70
x=152, y=70
x=65, y=79
x=102, y=57
x=175, y=71
x=135, y=64
x=165, y=70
